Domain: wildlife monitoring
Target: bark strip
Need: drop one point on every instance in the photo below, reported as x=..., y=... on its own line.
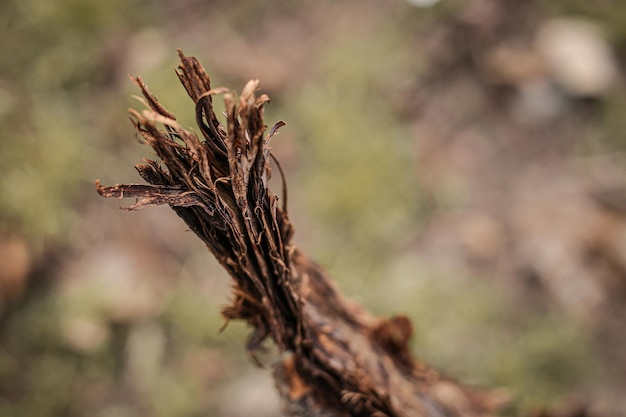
x=337, y=360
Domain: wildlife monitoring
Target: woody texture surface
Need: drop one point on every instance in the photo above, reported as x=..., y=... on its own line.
x=335, y=358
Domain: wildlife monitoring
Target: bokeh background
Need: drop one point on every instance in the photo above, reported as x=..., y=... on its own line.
x=461, y=162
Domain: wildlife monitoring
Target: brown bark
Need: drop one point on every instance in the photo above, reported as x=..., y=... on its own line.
x=337, y=360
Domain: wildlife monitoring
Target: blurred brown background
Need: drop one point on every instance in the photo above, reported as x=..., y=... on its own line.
x=458, y=161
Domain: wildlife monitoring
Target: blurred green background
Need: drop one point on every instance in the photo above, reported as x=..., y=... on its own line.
x=457, y=161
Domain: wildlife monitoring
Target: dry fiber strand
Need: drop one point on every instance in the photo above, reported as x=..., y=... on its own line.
x=336, y=359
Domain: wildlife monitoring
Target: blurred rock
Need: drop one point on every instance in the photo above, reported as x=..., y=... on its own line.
x=422, y=3
x=570, y=242
x=84, y=334
x=513, y=64
x=253, y=395
x=114, y=283
x=144, y=354
x=206, y=366
x=146, y=51
x=578, y=56
x=15, y=266
x=538, y=101
x=482, y=236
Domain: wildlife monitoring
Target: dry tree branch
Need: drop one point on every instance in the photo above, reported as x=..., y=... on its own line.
x=337, y=359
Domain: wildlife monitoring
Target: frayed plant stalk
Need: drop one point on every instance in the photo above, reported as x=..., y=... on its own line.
x=336, y=359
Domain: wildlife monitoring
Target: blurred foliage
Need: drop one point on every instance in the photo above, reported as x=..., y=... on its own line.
x=348, y=184
x=63, y=124
x=472, y=329
x=172, y=364
x=51, y=151
x=612, y=134
x=52, y=57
